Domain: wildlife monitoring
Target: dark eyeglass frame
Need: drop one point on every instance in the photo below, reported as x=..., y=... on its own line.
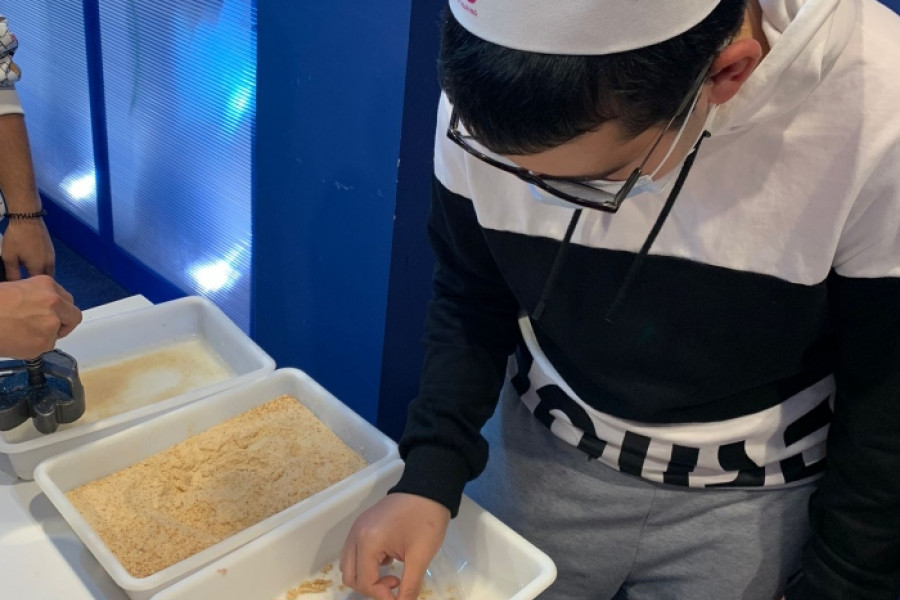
x=543, y=181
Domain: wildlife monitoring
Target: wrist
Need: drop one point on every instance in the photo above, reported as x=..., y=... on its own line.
x=23, y=201
x=15, y=216
x=436, y=473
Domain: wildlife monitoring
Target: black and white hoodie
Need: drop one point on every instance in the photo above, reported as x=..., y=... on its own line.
x=767, y=311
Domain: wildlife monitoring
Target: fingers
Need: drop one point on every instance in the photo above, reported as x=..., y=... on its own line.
x=413, y=576
x=368, y=570
x=361, y=571
x=69, y=317
x=63, y=293
x=14, y=267
x=63, y=306
x=49, y=265
x=45, y=267
x=400, y=526
x=69, y=314
x=368, y=574
x=11, y=264
x=348, y=563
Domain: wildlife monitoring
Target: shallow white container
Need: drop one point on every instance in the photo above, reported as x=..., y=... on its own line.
x=484, y=558
x=65, y=472
x=131, y=334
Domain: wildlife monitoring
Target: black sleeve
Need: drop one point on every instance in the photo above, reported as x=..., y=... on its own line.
x=855, y=514
x=471, y=330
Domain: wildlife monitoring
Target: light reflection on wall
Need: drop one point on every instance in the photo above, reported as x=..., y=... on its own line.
x=80, y=187
x=216, y=275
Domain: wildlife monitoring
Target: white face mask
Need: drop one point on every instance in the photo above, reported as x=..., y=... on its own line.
x=604, y=189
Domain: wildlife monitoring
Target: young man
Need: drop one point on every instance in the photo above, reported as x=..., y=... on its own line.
x=683, y=217
x=34, y=312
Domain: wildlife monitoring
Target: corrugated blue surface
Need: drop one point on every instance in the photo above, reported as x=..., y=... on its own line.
x=54, y=92
x=180, y=83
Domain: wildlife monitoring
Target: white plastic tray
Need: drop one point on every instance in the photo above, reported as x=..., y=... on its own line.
x=60, y=474
x=487, y=560
x=129, y=334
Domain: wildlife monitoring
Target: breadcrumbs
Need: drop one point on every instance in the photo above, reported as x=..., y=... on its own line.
x=313, y=586
x=195, y=494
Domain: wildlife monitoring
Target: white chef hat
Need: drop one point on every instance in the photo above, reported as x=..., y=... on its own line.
x=579, y=26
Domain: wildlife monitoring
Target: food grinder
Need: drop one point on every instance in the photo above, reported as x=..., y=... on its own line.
x=46, y=389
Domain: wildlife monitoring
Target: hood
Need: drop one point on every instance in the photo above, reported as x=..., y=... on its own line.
x=806, y=38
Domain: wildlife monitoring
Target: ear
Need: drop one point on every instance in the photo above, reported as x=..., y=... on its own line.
x=732, y=68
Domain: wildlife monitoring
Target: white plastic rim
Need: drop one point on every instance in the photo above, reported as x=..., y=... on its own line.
x=128, y=334
x=478, y=548
x=65, y=472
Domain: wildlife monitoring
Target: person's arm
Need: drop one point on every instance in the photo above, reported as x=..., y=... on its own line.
x=855, y=514
x=471, y=330
x=854, y=553
x=26, y=242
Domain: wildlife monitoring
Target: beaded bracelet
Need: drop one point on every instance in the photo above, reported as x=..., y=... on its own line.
x=32, y=215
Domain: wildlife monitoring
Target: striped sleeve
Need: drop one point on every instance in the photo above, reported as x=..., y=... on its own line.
x=854, y=553
x=9, y=71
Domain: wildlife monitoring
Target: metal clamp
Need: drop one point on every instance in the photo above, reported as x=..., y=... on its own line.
x=46, y=389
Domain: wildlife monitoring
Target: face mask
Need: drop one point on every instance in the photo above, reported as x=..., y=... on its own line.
x=604, y=189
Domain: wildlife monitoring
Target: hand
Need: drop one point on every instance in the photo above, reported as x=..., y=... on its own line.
x=26, y=243
x=34, y=313
x=403, y=527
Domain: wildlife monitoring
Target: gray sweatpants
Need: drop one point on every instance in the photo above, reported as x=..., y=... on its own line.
x=615, y=536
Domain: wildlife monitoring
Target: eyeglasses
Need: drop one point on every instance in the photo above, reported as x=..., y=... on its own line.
x=578, y=192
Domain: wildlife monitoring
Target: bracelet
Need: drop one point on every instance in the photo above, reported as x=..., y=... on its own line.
x=32, y=215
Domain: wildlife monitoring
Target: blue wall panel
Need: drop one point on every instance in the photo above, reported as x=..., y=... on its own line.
x=179, y=81
x=142, y=131
x=411, y=259
x=54, y=93
x=330, y=100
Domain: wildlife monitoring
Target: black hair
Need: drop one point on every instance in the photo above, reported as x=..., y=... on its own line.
x=517, y=102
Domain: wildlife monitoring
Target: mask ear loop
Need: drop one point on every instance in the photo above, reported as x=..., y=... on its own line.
x=624, y=188
x=681, y=131
x=657, y=226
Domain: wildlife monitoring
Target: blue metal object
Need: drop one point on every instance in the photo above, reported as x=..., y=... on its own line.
x=46, y=389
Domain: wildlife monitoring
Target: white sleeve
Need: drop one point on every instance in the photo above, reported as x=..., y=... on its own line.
x=9, y=71
x=870, y=242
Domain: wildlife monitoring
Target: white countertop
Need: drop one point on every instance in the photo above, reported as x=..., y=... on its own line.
x=40, y=556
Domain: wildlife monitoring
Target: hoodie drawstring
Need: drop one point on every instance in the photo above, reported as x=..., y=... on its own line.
x=635, y=267
x=651, y=237
x=555, y=268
